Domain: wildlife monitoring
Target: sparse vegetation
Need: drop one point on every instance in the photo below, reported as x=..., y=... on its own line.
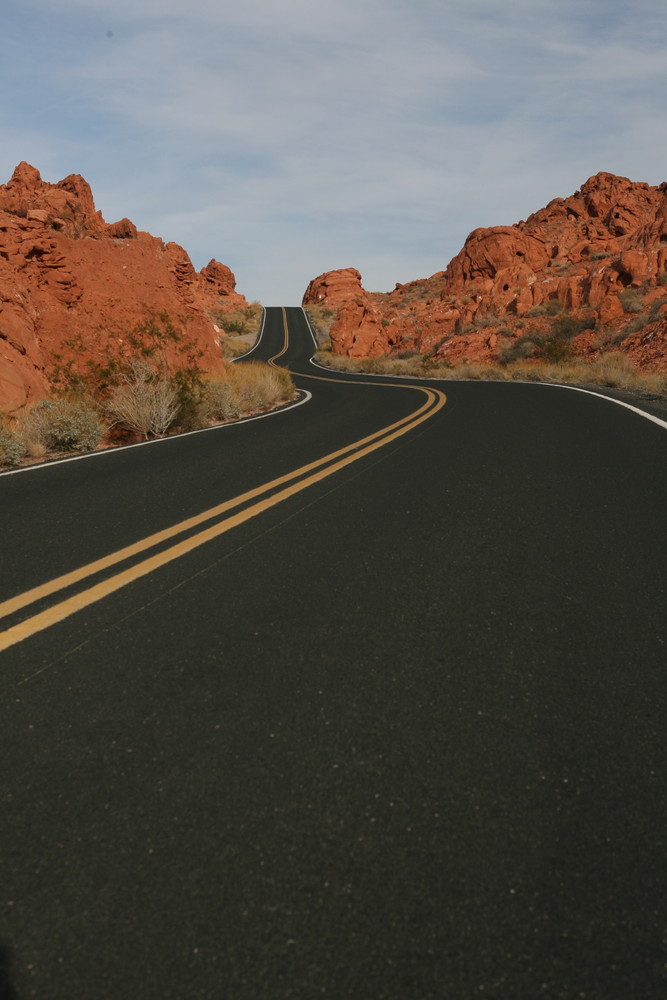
x=632, y=300
x=143, y=401
x=131, y=386
x=321, y=319
x=64, y=424
x=613, y=369
x=12, y=446
x=241, y=328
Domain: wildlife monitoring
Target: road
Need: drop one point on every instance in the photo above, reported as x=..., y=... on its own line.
x=389, y=723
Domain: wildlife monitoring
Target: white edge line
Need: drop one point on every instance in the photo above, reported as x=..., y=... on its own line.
x=495, y=381
x=257, y=341
x=619, y=402
x=312, y=333
x=307, y=396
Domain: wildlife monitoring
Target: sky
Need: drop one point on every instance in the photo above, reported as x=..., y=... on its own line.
x=291, y=137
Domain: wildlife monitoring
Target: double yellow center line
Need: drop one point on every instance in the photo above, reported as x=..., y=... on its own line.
x=225, y=516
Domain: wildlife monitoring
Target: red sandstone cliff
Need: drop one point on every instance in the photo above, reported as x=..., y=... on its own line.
x=64, y=271
x=599, y=255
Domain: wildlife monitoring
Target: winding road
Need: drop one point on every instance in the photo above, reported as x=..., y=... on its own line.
x=365, y=698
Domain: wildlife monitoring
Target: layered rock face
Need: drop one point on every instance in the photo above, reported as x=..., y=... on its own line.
x=65, y=272
x=600, y=255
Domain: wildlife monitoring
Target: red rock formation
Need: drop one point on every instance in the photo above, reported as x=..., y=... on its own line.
x=577, y=254
x=64, y=271
x=334, y=287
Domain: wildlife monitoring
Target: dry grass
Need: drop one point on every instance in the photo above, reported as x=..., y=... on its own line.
x=321, y=319
x=241, y=329
x=245, y=388
x=614, y=369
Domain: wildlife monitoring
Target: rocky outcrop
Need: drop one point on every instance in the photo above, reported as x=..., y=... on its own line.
x=65, y=272
x=334, y=287
x=600, y=256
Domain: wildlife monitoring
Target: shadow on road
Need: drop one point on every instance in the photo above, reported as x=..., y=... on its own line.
x=7, y=990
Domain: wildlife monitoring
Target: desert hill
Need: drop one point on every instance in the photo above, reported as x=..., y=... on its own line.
x=65, y=272
x=585, y=275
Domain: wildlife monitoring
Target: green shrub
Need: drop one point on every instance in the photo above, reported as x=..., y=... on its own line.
x=552, y=307
x=566, y=327
x=67, y=424
x=12, y=447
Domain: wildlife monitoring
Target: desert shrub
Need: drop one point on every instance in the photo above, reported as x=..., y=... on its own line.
x=321, y=319
x=12, y=447
x=221, y=400
x=637, y=323
x=242, y=322
x=143, y=401
x=552, y=307
x=554, y=349
x=565, y=327
x=257, y=386
x=631, y=300
x=537, y=311
x=95, y=366
x=489, y=319
x=656, y=306
x=66, y=424
x=517, y=350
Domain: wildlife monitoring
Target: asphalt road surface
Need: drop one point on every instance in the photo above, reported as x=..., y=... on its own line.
x=363, y=699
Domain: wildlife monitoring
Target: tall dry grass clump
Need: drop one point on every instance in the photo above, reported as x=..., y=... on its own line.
x=239, y=389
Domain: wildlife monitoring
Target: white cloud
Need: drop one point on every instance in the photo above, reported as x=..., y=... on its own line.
x=286, y=137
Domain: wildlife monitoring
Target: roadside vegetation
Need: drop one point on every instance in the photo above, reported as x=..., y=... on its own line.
x=541, y=351
x=241, y=329
x=135, y=385
x=321, y=320
x=614, y=370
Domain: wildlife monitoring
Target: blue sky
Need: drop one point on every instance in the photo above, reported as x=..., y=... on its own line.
x=290, y=137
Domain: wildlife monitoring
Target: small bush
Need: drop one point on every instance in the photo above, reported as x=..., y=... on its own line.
x=12, y=447
x=552, y=307
x=143, y=401
x=66, y=424
x=631, y=300
x=487, y=320
x=638, y=323
x=220, y=399
x=321, y=319
x=566, y=327
x=257, y=386
x=656, y=306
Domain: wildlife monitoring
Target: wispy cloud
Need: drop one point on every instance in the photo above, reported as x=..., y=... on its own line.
x=286, y=138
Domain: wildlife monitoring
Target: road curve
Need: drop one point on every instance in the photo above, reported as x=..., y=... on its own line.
x=397, y=734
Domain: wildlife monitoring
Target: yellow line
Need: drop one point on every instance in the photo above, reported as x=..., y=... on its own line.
x=69, y=606
x=75, y=576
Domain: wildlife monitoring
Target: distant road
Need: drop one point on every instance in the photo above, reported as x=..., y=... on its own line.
x=365, y=699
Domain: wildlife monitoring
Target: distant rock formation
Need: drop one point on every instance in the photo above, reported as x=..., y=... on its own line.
x=599, y=255
x=65, y=272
